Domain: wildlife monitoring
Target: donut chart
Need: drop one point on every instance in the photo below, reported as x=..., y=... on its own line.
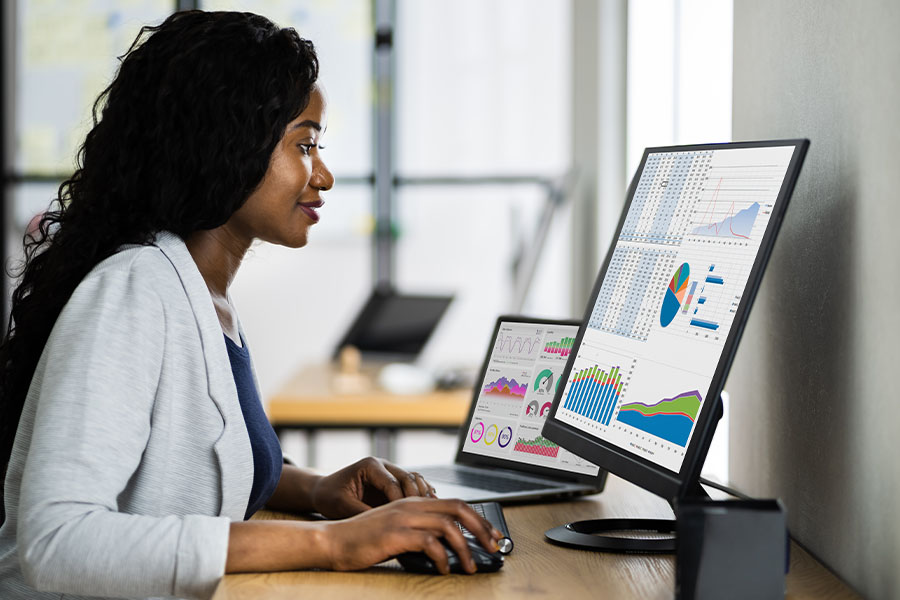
x=491, y=436
x=505, y=437
x=477, y=432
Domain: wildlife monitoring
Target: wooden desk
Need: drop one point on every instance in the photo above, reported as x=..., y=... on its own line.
x=535, y=569
x=318, y=398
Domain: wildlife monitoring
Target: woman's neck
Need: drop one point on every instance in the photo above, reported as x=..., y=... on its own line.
x=218, y=254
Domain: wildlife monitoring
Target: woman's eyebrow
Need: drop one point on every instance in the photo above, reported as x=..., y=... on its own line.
x=307, y=123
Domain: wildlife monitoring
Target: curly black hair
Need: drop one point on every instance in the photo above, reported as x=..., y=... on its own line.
x=181, y=137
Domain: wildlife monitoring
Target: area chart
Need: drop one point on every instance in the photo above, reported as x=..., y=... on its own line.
x=671, y=419
x=736, y=225
x=509, y=388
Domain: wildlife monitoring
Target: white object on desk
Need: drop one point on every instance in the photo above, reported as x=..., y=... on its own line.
x=402, y=378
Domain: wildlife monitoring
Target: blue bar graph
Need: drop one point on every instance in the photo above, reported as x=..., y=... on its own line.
x=704, y=324
x=593, y=393
x=714, y=279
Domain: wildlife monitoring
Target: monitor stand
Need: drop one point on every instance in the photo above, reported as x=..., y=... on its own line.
x=593, y=534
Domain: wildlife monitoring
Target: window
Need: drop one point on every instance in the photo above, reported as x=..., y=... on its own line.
x=679, y=92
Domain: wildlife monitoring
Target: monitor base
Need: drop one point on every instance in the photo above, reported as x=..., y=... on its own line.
x=588, y=535
x=591, y=534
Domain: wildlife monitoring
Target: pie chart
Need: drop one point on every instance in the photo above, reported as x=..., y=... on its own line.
x=674, y=295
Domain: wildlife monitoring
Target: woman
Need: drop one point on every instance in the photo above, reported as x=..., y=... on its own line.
x=135, y=440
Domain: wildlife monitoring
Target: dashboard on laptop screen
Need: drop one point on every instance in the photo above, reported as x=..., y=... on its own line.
x=523, y=371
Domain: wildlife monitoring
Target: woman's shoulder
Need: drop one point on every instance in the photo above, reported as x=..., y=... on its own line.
x=141, y=265
x=140, y=278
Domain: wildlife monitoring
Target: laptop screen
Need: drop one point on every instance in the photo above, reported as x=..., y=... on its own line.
x=514, y=397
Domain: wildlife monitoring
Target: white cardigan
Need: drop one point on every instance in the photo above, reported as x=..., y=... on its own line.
x=132, y=456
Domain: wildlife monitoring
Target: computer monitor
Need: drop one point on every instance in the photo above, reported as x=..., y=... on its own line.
x=392, y=326
x=642, y=386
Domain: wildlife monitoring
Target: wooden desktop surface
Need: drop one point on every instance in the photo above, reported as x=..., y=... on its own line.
x=535, y=569
x=318, y=396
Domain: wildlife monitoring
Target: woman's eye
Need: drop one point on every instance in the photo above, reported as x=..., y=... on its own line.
x=321, y=147
x=305, y=148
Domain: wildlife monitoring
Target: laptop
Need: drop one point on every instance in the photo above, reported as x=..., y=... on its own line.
x=501, y=454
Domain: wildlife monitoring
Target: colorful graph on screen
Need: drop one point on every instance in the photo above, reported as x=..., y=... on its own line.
x=544, y=381
x=594, y=393
x=508, y=388
x=671, y=419
x=517, y=345
x=674, y=295
x=735, y=225
x=715, y=283
x=539, y=445
x=561, y=348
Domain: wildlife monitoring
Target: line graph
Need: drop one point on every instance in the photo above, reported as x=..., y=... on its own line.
x=518, y=345
x=736, y=201
x=736, y=224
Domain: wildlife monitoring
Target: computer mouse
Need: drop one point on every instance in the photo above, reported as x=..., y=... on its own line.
x=485, y=562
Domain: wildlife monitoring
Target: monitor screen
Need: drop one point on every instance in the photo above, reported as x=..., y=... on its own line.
x=516, y=389
x=661, y=327
x=394, y=326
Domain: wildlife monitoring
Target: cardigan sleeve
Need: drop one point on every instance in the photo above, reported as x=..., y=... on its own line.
x=95, y=387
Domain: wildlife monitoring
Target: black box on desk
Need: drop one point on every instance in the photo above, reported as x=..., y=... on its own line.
x=732, y=549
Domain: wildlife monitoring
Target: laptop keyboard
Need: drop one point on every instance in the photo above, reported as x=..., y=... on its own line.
x=493, y=482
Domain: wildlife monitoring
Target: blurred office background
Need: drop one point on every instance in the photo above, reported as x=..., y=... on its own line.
x=513, y=124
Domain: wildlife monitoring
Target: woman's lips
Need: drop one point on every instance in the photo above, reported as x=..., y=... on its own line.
x=309, y=209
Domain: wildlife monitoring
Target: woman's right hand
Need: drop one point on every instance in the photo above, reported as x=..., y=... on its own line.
x=407, y=525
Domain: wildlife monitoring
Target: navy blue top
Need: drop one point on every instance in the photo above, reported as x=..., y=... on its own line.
x=267, y=456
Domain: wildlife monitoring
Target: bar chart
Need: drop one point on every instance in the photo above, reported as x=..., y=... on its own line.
x=537, y=445
x=712, y=287
x=594, y=393
x=561, y=347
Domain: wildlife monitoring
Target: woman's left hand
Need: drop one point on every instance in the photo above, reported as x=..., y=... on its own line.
x=365, y=484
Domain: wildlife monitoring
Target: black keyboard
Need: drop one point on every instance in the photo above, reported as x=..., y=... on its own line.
x=493, y=482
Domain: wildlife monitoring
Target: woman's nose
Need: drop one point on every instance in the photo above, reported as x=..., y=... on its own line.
x=324, y=180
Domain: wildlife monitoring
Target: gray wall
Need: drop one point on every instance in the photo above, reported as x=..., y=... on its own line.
x=815, y=415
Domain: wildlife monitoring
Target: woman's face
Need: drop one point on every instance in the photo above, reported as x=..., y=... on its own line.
x=284, y=205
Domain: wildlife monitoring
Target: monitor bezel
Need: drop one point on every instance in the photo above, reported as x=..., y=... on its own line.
x=479, y=460
x=380, y=296
x=617, y=460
